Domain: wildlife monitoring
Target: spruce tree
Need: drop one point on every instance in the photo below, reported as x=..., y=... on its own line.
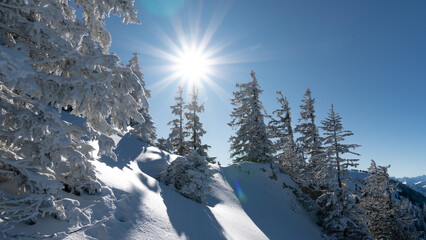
x=284, y=145
x=50, y=60
x=387, y=218
x=146, y=130
x=251, y=142
x=340, y=216
x=164, y=144
x=309, y=140
x=194, y=128
x=335, y=148
x=177, y=137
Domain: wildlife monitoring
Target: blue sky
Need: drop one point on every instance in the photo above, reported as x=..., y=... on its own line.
x=368, y=58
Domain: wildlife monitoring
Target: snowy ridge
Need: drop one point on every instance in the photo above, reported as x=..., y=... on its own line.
x=417, y=183
x=134, y=205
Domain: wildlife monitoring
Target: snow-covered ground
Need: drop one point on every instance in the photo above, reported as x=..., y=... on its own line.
x=244, y=203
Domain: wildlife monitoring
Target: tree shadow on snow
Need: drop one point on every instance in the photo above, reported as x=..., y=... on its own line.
x=264, y=217
x=190, y=219
x=153, y=186
x=129, y=148
x=154, y=163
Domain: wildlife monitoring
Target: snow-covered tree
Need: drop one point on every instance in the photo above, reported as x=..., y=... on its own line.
x=194, y=128
x=165, y=144
x=177, y=135
x=335, y=148
x=309, y=140
x=251, y=142
x=340, y=216
x=146, y=131
x=50, y=60
x=189, y=176
x=387, y=218
x=284, y=145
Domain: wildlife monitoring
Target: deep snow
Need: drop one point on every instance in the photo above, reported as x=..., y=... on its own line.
x=244, y=203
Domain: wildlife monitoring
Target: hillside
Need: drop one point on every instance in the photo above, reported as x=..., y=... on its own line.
x=244, y=203
x=417, y=183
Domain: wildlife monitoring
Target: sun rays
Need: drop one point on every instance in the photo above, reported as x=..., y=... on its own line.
x=188, y=55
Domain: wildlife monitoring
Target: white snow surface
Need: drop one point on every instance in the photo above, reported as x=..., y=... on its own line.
x=244, y=203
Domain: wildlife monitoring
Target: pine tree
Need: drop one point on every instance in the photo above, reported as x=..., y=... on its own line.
x=50, y=61
x=251, y=142
x=284, y=144
x=334, y=136
x=146, y=131
x=177, y=136
x=387, y=219
x=194, y=128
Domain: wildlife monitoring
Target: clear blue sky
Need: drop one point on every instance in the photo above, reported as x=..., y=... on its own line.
x=368, y=58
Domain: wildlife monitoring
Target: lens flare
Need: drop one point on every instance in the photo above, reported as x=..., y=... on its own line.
x=240, y=194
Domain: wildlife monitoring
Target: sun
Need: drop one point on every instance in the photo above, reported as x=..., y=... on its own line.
x=189, y=53
x=192, y=65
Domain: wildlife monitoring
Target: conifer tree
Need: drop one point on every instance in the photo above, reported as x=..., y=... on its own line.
x=194, y=128
x=251, y=142
x=164, y=144
x=309, y=140
x=177, y=135
x=146, y=131
x=340, y=216
x=284, y=145
x=335, y=148
x=49, y=61
x=387, y=218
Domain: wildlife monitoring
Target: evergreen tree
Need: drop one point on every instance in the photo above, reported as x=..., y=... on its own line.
x=284, y=145
x=165, y=144
x=309, y=140
x=50, y=61
x=334, y=136
x=177, y=136
x=251, y=142
x=387, y=218
x=194, y=128
x=146, y=130
x=340, y=216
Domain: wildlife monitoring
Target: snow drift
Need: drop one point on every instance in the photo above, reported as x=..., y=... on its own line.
x=244, y=203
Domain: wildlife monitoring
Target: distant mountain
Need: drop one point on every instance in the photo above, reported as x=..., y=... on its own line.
x=412, y=189
x=417, y=183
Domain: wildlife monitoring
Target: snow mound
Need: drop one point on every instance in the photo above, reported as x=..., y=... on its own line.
x=244, y=203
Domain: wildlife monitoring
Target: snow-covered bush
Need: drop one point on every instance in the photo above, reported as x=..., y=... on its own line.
x=189, y=176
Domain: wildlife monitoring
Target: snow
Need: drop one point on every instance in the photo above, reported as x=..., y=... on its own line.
x=132, y=204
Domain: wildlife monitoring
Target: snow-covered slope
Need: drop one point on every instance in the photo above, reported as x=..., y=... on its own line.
x=417, y=183
x=244, y=203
